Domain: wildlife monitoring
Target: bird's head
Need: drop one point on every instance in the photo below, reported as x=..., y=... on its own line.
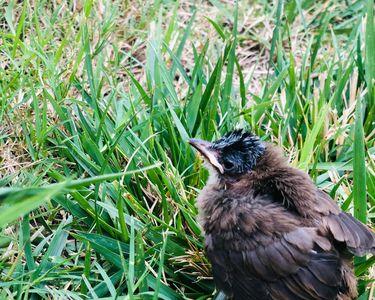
x=235, y=153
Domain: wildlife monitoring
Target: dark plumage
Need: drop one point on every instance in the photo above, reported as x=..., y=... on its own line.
x=270, y=232
x=239, y=151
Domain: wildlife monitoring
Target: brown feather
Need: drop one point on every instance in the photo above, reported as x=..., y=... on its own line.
x=272, y=231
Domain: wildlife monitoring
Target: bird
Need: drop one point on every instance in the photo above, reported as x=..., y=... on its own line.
x=270, y=232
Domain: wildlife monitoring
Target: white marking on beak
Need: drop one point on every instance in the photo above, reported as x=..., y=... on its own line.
x=204, y=148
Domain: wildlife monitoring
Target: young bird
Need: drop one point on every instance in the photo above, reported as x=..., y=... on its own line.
x=270, y=233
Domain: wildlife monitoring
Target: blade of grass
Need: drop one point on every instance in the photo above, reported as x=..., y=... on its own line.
x=359, y=167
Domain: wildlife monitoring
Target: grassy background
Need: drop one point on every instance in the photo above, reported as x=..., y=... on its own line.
x=98, y=98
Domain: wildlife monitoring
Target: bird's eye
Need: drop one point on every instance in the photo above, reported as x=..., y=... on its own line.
x=228, y=165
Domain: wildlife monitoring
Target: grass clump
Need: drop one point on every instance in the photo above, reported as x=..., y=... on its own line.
x=98, y=98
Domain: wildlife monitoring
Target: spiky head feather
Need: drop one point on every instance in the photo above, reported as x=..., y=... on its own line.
x=238, y=151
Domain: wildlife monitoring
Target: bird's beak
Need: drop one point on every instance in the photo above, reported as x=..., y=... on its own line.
x=204, y=148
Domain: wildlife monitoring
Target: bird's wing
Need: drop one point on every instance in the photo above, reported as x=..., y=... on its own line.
x=359, y=239
x=297, y=192
x=290, y=266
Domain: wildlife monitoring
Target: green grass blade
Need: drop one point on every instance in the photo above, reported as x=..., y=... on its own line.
x=359, y=167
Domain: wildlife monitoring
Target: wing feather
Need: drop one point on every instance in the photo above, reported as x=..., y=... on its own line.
x=358, y=238
x=344, y=228
x=294, y=190
x=287, y=267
